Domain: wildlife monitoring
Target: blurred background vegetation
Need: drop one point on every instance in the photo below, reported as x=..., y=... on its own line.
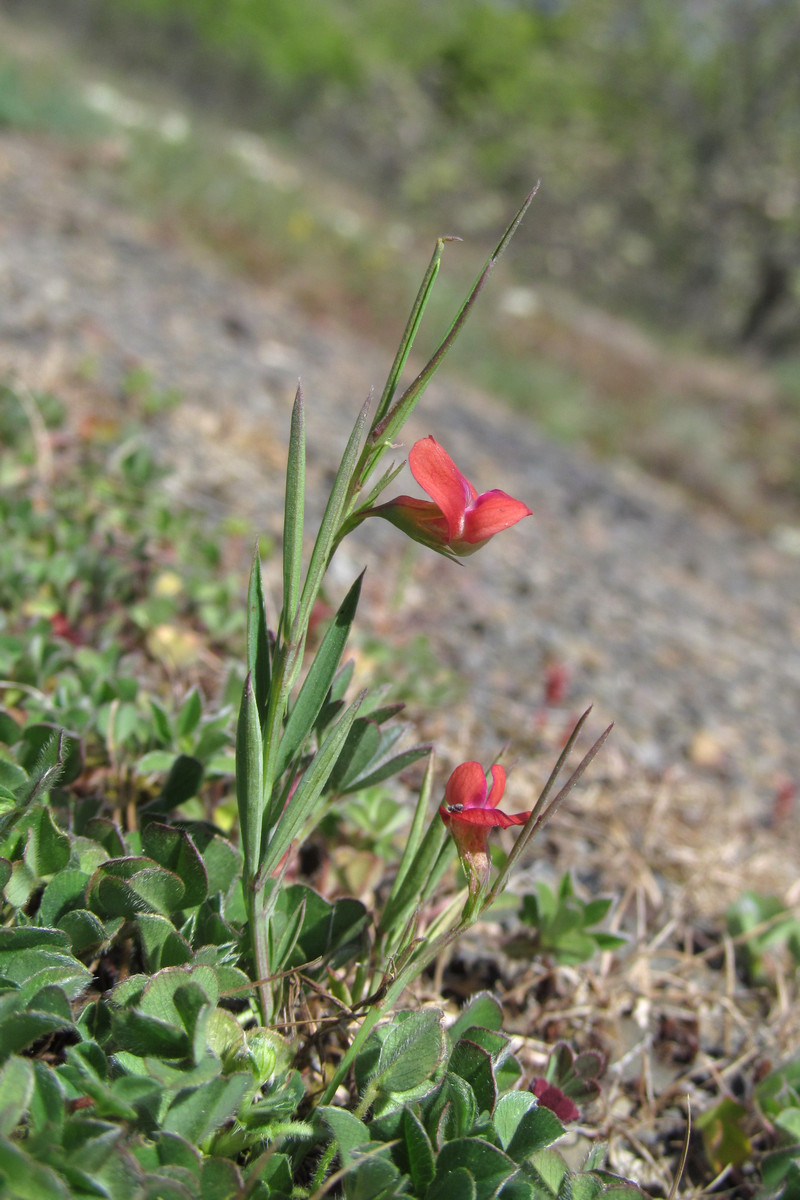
x=667, y=137
x=668, y=134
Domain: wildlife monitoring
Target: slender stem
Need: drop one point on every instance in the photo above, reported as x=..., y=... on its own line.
x=259, y=932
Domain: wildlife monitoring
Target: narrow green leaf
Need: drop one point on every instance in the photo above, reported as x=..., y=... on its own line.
x=360, y=747
x=377, y=488
x=308, y=791
x=416, y=877
x=189, y=715
x=331, y=521
x=288, y=934
x=161, y=722
x=392, y=766
x=258, y=648
x=249, y=776
x=415, y=834
x=318, y=680
x=541, y=812
x=342, y=680
x=384, y=432
x=412, y=326
x=294, y=513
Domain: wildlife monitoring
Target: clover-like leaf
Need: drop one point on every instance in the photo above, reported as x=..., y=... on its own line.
x=411, y=1052
x=450, y=1113
x=16, y=1092
x=475, y=1066
x=173, y=849
x=198, y=1111
x=488, y=1166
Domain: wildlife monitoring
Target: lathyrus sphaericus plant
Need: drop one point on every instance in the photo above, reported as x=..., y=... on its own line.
x=300, y=743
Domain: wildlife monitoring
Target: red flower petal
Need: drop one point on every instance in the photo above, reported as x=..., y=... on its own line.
x=490, y=513
x=488, y=817
x=435, y=472
x=467, y=786
x=498, y=786
x=420, y=519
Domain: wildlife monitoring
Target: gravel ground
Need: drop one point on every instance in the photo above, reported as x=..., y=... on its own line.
x=675, y=623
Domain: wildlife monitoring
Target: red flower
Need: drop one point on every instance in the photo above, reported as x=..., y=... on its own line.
x=552, y=1097
x=470, y=812
x=456, y=520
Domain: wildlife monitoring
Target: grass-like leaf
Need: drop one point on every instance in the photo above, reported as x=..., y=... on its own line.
x=383, y=432
x=258, y=650
x=317, y=682
x=410, y=331
x=308, y=791
x=329, y=529
x=294, y=511
x=249, y=776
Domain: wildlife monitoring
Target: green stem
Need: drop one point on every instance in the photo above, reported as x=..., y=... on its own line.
x=259, y=931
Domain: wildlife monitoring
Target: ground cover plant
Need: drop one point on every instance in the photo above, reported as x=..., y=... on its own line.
x=181, y=1012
